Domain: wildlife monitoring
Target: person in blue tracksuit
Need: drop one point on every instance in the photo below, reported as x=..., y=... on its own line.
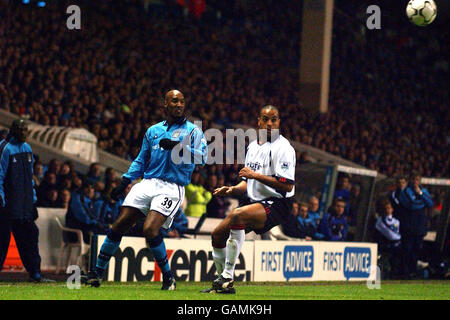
x=334, y=225
x=170, y=151
x=107, y=209
x=17, y=199
x=414, y=200
x=82, y=215
x=307, y=224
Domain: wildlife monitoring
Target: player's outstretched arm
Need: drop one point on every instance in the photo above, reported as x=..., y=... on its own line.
x=272, y=182
x=236, y=190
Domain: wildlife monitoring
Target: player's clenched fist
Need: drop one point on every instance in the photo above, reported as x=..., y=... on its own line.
x=246, y=173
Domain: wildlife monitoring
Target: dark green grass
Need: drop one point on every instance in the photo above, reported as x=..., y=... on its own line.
x=406, y=290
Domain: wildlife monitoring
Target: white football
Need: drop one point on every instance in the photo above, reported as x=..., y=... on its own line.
x=421, y=12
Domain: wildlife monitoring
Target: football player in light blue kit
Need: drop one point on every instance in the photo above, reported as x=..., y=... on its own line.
x=161, y=192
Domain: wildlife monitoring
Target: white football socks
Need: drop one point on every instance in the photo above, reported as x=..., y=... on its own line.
x=219, y=259
x=232, y=251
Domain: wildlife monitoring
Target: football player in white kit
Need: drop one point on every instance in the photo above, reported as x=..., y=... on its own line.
x=268, y=179
x=159, y=195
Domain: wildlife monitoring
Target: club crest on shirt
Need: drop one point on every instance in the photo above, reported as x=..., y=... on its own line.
x=175, y=134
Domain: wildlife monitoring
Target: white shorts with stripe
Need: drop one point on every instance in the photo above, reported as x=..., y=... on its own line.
x=157, y=195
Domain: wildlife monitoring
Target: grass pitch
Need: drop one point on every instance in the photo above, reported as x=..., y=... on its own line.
x=390, y=290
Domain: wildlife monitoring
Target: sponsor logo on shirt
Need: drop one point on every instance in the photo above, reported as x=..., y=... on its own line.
x=285, y=166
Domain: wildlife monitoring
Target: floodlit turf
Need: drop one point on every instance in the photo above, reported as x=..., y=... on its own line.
x=409, y=290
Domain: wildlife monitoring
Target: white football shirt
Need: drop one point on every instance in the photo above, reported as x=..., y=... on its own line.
x=274, y=159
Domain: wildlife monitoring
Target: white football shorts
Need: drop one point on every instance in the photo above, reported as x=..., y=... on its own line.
x=158, y=195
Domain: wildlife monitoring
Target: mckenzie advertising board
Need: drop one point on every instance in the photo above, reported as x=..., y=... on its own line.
x=314, y=261
x=190, y=260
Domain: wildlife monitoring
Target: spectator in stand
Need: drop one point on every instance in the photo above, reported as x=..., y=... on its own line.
x=94, y=172
x=49, y=183
x=38, y=172
x=106, y=209
x=3, y=134
x=290, y=225
x=63, y=174
x=54, y=166
x=76, y=183
x=354, y=203
x=388, y=237
x=395, y=196
x=197, y=196
x=81, y=213
x=64, y=198
x=333, y=225
x=298, y=224
x=49, y=199
x=414, y=199
x=313, y=209
x=343, y=191
x=110, y=176
x=218, y=206
x=50, y=79
x=99, y=188
x=307, y=224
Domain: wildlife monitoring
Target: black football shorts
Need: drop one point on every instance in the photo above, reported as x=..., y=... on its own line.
x=277, y=210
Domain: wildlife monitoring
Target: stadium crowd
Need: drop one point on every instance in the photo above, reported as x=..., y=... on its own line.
x=110, y=76
x=112, y=85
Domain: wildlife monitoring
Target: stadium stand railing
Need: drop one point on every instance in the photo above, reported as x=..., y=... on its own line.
x=48, y=145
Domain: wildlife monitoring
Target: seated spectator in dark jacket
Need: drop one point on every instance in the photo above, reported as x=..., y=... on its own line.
x=49, y=199
x=343, y=191
x=313, y=209
x=110, y=176
x=64, y=198
x=291, y=226
x=48, y=183
x=217, y=206
x=307, y=224
x=81, y=213
x=63, y=174
x=334, y=225
x=106, y=209
x=94, y=172
x=38, y=172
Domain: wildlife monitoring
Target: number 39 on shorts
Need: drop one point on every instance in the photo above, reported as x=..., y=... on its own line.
x=167, y=203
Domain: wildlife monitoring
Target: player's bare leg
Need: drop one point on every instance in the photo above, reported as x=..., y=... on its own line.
x=228, y=238
x=126, y=219
x=155, y=243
